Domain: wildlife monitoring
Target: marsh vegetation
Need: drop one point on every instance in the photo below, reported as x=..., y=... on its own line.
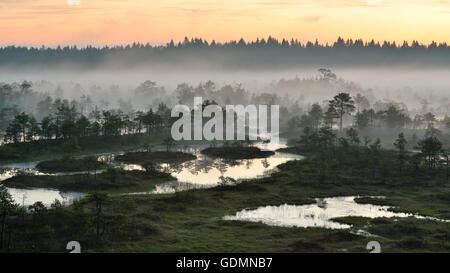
x=345, y=141
x=70, y=164
x=236, y=152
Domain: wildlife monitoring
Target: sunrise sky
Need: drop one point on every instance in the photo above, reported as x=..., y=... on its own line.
x=101, y=22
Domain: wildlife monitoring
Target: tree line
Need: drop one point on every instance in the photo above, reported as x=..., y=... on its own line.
x=67, y=122
x=319, y=137
x=62, y=119
x=362, y=116
x=285, y=51
x=348, y=151
x=47, y=227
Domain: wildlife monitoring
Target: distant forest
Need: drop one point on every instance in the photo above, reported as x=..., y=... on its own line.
x=263, y=53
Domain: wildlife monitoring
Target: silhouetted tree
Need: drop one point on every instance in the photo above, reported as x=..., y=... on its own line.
x=431, y=148
x=169, y=143
x=400, y=144
x=99, y=199
x=7, y=207
x=342, y=104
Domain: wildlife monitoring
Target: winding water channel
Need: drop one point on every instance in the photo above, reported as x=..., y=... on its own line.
x=201, y=172
x=206, y=172
x=321, y=214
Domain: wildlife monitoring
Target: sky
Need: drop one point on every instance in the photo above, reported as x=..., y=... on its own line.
x=114, y=22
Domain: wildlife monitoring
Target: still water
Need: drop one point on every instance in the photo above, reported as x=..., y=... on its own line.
x=206, y=172
x=28, y=197
x=199, y=173
x=320, y=214
x=209, y=172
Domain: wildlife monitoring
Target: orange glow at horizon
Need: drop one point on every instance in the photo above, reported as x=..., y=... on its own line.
x=113, y=22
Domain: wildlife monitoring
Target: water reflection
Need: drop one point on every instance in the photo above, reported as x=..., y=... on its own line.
x=110, y=159
x=202, y=172
x=6, y=173
x=31, y=195
x=207, y=171
x=47, y=196
x=174, y=186
x=21, y=165
x=317, y=215
x=271, y=146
